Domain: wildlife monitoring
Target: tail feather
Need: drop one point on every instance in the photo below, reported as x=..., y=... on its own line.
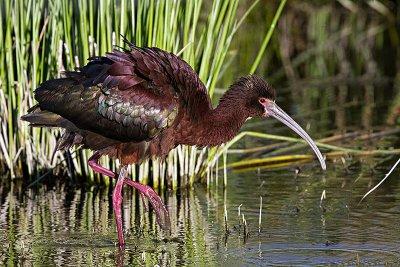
x=42, y=118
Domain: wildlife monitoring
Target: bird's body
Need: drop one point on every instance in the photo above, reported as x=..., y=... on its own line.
x=125, y=107
x=141, y=103
x=124, y=104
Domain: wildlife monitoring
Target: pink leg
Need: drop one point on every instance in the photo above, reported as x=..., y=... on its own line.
x=145, y=191
x=117, y=201
x=96, y=167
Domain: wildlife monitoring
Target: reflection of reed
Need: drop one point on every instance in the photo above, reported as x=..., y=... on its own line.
x=56, y=225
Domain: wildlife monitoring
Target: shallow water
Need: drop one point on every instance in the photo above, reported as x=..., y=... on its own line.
x=56, y=224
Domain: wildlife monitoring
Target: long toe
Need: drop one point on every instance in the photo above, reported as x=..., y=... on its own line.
x=159, y=208
x=158, y=205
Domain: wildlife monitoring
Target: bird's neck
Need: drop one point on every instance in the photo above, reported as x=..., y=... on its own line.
x=224, y=124
x=218, y=125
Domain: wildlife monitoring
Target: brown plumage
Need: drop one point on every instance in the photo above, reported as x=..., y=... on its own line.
x=140, y=103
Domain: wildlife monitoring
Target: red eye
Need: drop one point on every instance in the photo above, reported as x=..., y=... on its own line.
x=262, y=100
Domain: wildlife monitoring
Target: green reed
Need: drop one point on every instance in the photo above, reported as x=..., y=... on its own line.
x=45, y=37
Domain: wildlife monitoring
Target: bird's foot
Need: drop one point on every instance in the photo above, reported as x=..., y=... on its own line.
x=155, y=201
x=145, y=191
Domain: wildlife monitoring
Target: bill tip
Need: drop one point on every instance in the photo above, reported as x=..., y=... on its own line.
x=323, y=165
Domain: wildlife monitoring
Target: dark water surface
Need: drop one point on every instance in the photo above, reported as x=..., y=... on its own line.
x=57, y=225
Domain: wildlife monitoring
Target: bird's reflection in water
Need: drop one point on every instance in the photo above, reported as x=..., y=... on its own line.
x=120, y=255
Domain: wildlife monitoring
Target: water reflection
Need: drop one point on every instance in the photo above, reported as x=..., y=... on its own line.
x=297, y=231
x=61, y=225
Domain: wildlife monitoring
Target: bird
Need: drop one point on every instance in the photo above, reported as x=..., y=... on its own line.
x=136, y=103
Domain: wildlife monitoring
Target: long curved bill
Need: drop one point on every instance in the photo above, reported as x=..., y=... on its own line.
x=272, y=109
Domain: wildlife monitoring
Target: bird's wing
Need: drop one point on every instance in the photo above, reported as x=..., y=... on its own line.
x=125, y=95
x=193, y=94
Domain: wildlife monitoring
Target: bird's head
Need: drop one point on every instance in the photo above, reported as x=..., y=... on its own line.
x=258, y=98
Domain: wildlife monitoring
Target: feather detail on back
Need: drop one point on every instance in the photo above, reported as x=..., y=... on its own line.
x=122, y=103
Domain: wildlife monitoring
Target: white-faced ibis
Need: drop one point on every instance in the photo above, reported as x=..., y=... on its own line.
x=138, y=103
